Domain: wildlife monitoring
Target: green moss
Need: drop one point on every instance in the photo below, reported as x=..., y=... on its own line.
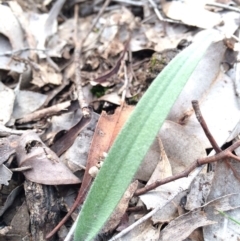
x=98, y=90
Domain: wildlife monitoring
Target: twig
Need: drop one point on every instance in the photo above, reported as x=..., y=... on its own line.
x=224, y=6
x=46, y=112
x=117, y=66
x=77, y=57
x=130, y=2
x=13, y=52
x=203, y=124
x=21, y=169
x=153, y=4
x=136, y=209
x=126, y=81
x=213, y=142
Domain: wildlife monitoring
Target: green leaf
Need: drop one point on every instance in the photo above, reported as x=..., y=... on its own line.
x=134, y=140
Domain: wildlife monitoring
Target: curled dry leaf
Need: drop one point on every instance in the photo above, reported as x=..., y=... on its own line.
x=46, y=166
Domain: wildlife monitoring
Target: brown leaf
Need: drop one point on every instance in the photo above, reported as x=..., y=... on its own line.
x=62, y=144
x=46, y=166
x=105, y=133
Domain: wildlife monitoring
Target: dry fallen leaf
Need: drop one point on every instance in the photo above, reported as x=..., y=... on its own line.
x=183, y=226
x=26, y=102
x=225, y=182
x=191, y=13
x=46, y=166
x=106, y=130
x=44, y=74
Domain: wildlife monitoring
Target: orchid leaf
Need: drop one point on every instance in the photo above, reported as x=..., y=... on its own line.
x=135, y=138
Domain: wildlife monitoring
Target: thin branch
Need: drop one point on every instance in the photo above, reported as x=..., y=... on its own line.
x=130, y=2
x=224, y=6
x=77, y=57
x=153, y=4
x=13, y=52
x=21, y=169
x=43, y=113
x=204, y=126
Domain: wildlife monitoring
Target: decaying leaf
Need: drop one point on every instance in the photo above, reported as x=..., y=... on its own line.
x=76, y=156
x=20, y=222
x=46, y=166
x=225, y=182
x=199, y=191
x=213, y=89
x=27, y=102
x=183, y=226
x=121, y=208
x=181, y=148
x=44, y=74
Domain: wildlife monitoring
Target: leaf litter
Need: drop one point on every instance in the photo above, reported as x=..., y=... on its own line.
x=38, y=72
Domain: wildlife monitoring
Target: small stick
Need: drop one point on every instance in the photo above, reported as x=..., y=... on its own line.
x=18, y=51
x=214, y=144
x=224, y=6
x=136, y=209
x=77, y=57
x=154, y=5
x=21, y=169
x=43, y=113
x=203, y=124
